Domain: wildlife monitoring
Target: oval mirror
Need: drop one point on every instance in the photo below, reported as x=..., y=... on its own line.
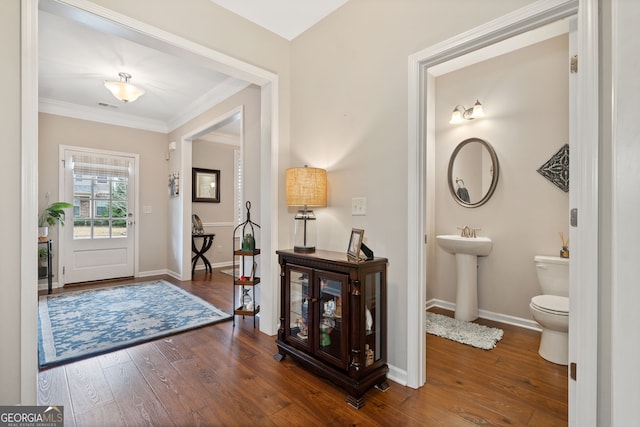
x=473, y=172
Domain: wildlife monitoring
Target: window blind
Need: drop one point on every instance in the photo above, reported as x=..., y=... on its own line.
x=102, y=166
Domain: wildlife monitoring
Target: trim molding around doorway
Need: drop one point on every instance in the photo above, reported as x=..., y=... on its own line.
x=421, y=150
x=269, y=85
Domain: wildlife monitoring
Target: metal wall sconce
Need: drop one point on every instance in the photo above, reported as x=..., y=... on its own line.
x=460, y=113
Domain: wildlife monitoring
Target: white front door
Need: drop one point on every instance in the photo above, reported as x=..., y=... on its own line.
x=98, y=243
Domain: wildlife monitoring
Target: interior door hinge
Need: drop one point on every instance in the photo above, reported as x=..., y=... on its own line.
x=573, y=370
x=63, y=267
x=574, y=64
x=64, y=164
x=574, y=217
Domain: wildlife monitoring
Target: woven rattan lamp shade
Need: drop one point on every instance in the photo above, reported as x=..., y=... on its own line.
x=306, y=187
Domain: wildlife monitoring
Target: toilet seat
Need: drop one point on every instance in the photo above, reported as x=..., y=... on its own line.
x=552, y=304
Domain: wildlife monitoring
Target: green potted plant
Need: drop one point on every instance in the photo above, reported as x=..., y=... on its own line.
x=54, y=213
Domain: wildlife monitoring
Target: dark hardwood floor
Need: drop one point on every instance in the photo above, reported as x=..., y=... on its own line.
x=224, y=376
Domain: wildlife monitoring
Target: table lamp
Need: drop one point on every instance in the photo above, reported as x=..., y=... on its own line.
x=306, y=187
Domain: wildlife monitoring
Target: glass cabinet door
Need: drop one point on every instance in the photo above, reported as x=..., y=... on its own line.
x=299, y=306
x=372, y=318
x=331, y=335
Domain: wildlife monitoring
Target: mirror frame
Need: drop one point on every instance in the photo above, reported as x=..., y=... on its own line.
x=494, y=180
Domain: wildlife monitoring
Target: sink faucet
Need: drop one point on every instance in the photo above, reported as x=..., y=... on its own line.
x=467, y=231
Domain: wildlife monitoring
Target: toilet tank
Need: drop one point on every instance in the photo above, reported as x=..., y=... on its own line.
x=553, y=275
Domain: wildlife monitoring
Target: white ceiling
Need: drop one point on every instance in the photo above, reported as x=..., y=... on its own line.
x=287, y=18
x=78, y=52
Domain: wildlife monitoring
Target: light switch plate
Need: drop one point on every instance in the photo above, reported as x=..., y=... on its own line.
x=147, y=209
x=358, y=206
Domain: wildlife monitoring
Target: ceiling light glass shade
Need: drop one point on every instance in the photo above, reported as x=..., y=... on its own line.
x=123, y=90
x=456, y=116
x=477, y=110
x=306, y=187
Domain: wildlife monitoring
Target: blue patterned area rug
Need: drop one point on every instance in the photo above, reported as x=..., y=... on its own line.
x=81, y=324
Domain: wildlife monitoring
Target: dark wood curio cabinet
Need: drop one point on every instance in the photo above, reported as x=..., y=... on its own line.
x=333, y=318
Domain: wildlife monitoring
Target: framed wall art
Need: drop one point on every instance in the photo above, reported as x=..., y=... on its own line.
x=205, y=185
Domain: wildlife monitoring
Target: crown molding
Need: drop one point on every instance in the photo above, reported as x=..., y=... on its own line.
x=222, y=138
x=101, y=115
x=207, y=101
x=228, y=88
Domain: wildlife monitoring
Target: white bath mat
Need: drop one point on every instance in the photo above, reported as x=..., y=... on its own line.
x=472, y=334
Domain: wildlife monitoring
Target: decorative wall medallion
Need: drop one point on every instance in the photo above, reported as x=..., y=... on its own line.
x=556, y=169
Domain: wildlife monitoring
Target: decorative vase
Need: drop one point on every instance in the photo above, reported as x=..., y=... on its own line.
x=248, y=243
x=247, y=302
x=326, y=327
x=369, y=319
x=43, y=233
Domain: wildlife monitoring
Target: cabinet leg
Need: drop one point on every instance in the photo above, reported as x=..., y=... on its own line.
x=279, y=357
x=383, y=386
x=356, y=402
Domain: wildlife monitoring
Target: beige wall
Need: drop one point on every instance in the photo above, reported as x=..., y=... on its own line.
x=152, y=148
x=217, y=218
x=349, y=115
x=205, y=23
x=525, y=96
x=349, y=94
x=249, y=99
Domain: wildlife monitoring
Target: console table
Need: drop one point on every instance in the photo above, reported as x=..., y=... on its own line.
x=207, y=241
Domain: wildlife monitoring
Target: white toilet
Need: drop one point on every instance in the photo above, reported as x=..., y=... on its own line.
x=551, y=310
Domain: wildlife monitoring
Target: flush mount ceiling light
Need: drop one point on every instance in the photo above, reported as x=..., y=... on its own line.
x=460, y=113
x=123, y=90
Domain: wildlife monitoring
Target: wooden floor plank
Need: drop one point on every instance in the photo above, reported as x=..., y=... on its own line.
x=141, y=407
x=87, y=385
x=221, y=375
x=53, y=389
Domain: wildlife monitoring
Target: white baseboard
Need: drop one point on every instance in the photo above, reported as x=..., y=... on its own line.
x=489, y=315
x=222, y=264
x=215, y=265
x=397, y=375
x=152, y=273
x=173, y=274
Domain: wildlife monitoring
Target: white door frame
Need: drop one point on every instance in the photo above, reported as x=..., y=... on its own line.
x=268, y=82
x=584, y=197
x=186, y=145
x=62, y=190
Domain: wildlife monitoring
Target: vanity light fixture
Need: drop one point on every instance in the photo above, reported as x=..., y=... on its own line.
x=306, y=187
x=460, y=113
x=123, y=90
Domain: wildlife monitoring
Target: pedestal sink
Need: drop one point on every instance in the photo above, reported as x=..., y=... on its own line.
x=466, y=250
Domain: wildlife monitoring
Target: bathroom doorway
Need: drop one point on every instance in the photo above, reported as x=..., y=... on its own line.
x=421, y=174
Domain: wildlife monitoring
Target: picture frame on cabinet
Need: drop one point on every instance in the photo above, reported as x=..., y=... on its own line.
x=355, y=242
